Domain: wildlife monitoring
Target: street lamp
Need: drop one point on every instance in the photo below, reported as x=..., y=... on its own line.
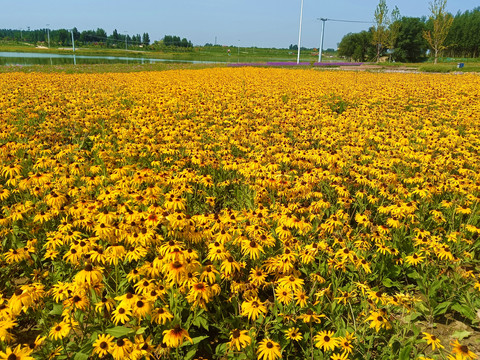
x=48, y=34
x=321, y=43
x=300, y=32
x=73, y=47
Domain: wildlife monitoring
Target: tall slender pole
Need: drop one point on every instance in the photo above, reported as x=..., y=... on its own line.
x=300, y=32
x=126, y=36
x=321, y=42
x=48, y=34
x=73, y=47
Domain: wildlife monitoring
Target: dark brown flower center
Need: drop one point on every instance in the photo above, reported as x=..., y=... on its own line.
x=199, y=286
x=177, y=265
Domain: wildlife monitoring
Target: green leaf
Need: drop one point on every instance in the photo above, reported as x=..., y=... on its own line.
x=221, y=349
x=434, y=286
x=395, y=270
x=200, y=321
x=195, y=340
x=405, y=353
x=387, y=283
x=119, y=331
x=57, y=309
x=465, y=311
x=140, y=331
x=80, y=356
x=442, y=308
x=190, y=354
x=413, y=275
x=460, y=335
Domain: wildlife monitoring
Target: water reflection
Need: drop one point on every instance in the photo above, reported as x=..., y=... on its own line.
x=18, y=58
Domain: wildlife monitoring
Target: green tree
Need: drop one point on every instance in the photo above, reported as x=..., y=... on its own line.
x=63, y=37
x=357, y=46
x=463, y=39
x=410, y=45
x=394, y=28
x=441, y=22
x=380, y=30
x=146, y=39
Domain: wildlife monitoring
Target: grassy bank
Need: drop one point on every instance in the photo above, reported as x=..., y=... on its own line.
x=202, y=53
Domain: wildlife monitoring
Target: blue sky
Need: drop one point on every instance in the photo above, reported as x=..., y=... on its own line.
x=262, y=23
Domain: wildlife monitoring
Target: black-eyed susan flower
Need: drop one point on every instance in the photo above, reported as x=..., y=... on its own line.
x=293, y=333
x=339, y=356
x=311, y=317
x=268, y=350
x=5, y=325
x=103, y=345
x=291, y=282
x=301, y=298
x=432, y=340
x=105, y=305
x=326, y=340
x=253, y=308
x=257, y=276
x=122, y=349
x=175, y=337
x=141, y=308
x=18, y=353
x=377, y=320
x=89, y=275
x=414, y=259
x=59, y=330
x=121, y=315
x=161, y=315
x=239, y=339
x=462, y=352
x=283, y=295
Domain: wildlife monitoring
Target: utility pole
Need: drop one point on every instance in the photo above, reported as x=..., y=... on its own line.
x=126, y=36
x=238, y=52
x=300, y=32
x=73, y=47
x=321, y=42
x=48, y=35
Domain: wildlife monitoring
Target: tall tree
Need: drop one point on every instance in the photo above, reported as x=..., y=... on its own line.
x=441, y=21
x=380, y=30
x=410, y=45
x=146, y=39
x=357, y=46
x=394, y=28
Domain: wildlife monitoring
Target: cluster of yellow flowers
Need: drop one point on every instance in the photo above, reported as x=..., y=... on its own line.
x=260, y=209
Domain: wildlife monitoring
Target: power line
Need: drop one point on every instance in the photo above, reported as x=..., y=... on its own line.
x=350, y=21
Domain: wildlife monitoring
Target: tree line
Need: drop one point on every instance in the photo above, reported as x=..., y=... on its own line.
x=63, y=37
x=408, y=39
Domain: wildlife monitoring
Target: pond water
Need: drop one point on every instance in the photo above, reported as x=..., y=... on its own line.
x=21, y=58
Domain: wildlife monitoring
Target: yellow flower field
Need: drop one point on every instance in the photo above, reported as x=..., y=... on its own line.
x=246, y=213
